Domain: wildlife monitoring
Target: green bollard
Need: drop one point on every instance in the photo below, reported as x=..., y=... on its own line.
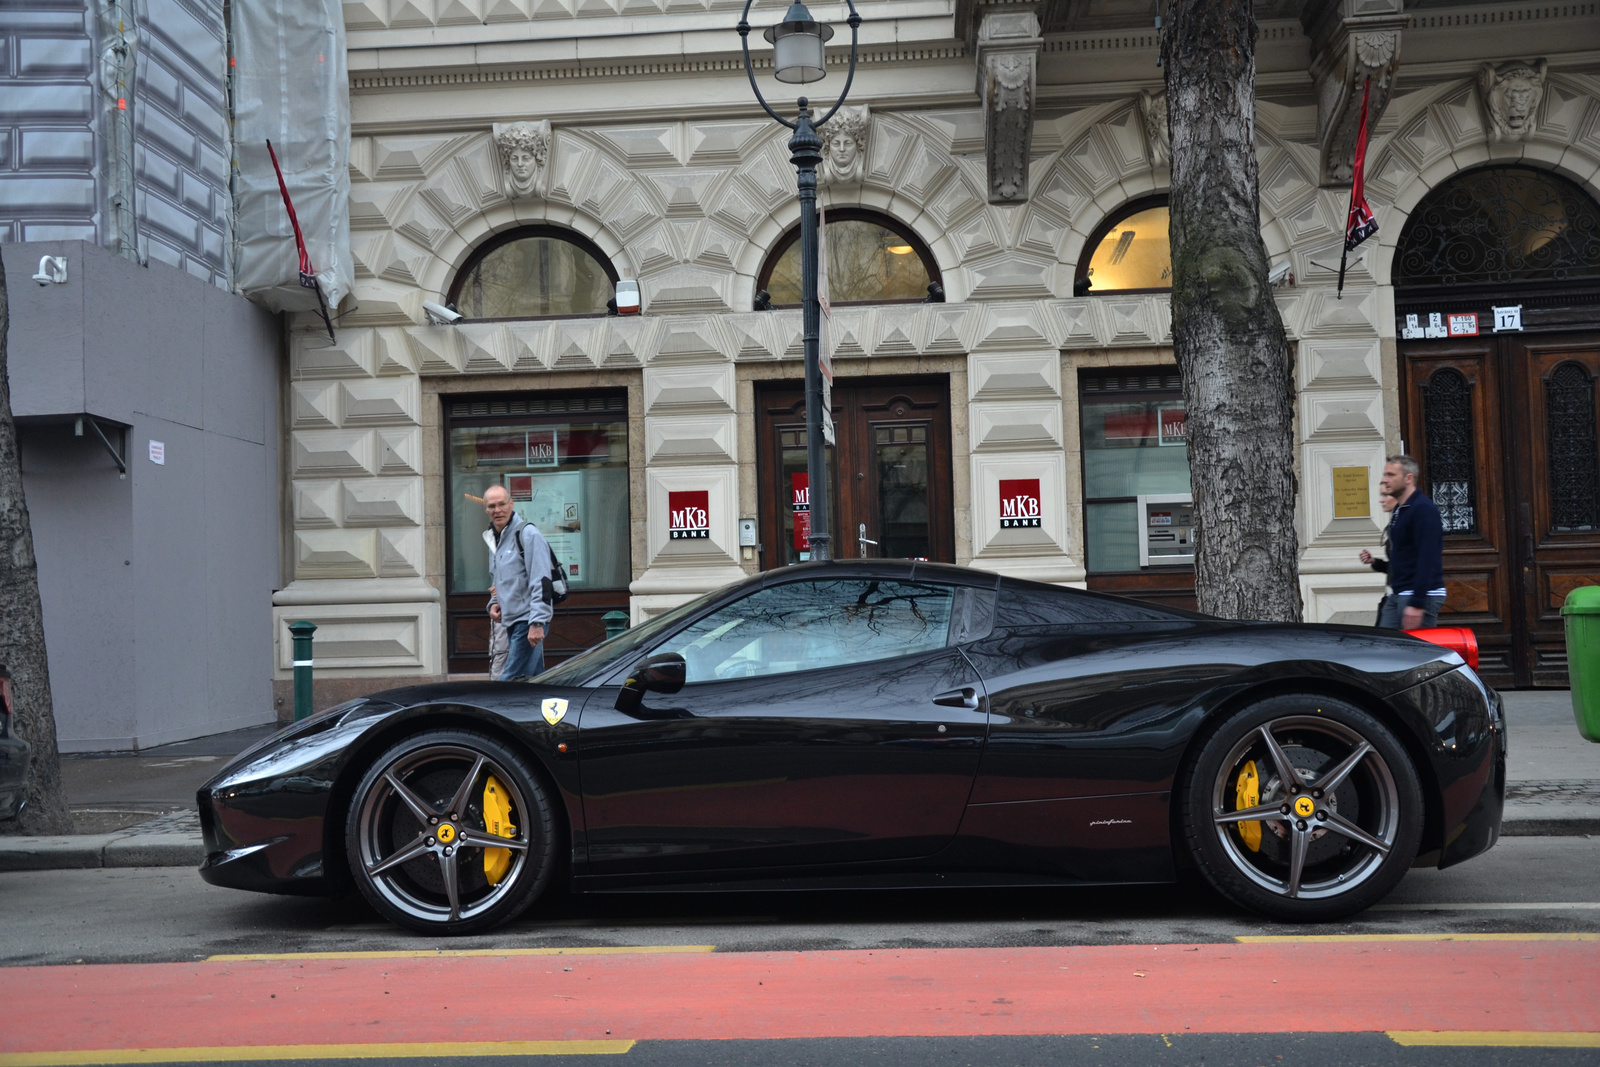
x=302, y=632
x=616, y=622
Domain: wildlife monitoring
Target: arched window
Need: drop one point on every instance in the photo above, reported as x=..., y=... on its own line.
x=871, y=260
x=534, y=272
x=1500, y=224
x=1129, y=252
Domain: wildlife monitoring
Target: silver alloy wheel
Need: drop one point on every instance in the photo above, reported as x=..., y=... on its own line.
x=1301, y=805
x=414, y=835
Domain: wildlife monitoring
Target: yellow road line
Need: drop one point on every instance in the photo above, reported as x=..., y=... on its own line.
x=226, y=1053
x=446, y=953
x=1266, y=939
x=1496, y=1038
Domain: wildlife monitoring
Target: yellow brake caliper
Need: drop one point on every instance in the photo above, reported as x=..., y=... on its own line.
x=497, y=821
x=1248, y=795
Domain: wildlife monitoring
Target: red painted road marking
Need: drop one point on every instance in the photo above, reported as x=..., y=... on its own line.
x=1278, y=987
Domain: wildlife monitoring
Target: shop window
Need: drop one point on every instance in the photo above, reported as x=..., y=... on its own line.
x=1135, y=470
x=1129, y=252
x=871, y=260
x=1500, y=224
x=564, y=460
x=534, y=272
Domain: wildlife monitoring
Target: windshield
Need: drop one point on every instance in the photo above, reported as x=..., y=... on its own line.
x=599, y=660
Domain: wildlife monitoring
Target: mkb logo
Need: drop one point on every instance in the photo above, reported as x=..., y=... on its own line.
x=689, y=515
x=1019, y=503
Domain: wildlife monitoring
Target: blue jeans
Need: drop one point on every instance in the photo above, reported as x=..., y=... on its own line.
x=522, y=661
x=1390, y=614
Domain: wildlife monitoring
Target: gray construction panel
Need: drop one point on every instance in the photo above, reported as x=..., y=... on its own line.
x=48, y=180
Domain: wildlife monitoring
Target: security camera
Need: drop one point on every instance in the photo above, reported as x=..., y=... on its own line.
x=1280, y=274
x=52, y=270
x=440, y=314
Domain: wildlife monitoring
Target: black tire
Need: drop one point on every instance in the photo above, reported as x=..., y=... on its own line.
x=1353, y=845
x=437, y=769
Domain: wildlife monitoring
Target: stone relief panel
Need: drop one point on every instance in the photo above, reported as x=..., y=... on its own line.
x=524, y=156
x=1157, y=134
x=844, y=146
x=1511, y=94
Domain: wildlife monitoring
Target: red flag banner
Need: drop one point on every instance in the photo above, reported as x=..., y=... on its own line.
x=308, y=275
x=1361, y=224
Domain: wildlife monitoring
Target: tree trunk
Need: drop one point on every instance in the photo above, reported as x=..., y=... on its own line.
x=22, y=626
x=1226, y=331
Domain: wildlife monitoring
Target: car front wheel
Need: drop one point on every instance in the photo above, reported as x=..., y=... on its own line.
x=450, y=832
x=1302, y=808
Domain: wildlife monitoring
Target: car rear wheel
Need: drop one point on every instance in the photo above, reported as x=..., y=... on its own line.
x=1302, y=808
x=450, y=832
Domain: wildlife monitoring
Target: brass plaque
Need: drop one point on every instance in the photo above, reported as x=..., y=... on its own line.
x=1351, y=496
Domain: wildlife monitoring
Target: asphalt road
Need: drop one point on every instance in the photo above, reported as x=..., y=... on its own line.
x=147, y=915
x=957, y=973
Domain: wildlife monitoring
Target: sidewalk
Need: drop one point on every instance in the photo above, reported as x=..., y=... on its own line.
x=139, y=810
x=132, y=810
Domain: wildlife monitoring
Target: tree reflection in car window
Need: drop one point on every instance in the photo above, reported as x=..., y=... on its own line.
x=802, y=626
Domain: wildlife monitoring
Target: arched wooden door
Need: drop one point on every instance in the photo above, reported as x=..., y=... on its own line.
x=1503, y=421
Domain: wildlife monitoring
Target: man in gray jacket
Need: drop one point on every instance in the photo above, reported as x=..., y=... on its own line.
x=519, y=567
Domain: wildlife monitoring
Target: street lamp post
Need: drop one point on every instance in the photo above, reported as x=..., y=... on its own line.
x=798, y=54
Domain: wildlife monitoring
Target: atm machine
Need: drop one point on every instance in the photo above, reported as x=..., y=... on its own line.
x=1166, y=529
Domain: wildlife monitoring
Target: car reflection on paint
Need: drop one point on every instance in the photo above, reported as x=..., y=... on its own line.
x=887, y=723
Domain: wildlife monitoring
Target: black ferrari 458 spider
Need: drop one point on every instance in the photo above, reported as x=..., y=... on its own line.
x=882, y=723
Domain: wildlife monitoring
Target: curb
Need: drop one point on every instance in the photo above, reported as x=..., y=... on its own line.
x=86, y=851
x=1575, y=826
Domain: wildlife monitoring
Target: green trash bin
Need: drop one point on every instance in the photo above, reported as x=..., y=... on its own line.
x=1582, y=614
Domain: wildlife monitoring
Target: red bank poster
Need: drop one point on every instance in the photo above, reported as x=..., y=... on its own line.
x=801, y=490
x=1019, y=503
x=689, y=515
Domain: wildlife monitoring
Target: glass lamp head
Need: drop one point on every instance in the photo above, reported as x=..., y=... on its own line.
x=798, y=46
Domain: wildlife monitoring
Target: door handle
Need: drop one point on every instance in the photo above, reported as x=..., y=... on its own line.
x=965, y=697
x=864, y=541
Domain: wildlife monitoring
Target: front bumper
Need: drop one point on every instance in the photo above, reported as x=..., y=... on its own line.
x=264, y=816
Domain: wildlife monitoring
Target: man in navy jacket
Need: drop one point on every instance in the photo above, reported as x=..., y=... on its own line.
x=1416, y=552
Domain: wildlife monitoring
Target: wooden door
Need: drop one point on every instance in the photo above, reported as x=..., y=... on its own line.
x=1557, y=492
x=889, y=472
x=1453, y=428
x=1504, y=427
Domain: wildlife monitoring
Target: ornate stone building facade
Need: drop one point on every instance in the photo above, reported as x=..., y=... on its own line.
x=1005, y=145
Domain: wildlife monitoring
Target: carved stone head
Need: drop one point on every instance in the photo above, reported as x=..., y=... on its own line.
x=524, y=152
x=844, y=146
x=1153, y=110
x=1511, y=94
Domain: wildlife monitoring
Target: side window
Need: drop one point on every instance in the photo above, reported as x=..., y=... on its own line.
x=801, y=626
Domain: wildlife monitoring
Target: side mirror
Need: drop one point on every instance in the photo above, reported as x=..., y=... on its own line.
x=665, y=672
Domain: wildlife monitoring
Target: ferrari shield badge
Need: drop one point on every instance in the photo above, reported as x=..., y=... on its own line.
x=555, y=709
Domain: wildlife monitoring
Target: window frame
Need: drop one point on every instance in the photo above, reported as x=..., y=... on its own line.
x=521, y=233
x=1121, y=395
x=951, y=590
x=450, y=422
x=1107, y=224
x=791, y=237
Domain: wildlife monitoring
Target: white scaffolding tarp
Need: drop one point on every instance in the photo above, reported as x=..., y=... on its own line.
x=291, y=87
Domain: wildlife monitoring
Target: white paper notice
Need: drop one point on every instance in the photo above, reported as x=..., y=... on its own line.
x=158, y=453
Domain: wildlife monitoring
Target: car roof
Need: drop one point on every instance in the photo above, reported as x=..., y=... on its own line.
x=905, y=569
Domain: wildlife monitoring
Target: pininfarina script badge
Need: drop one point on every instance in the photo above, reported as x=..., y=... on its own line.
x=555, y=709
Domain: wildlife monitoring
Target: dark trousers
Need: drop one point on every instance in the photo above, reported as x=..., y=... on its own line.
x=522, y=661
x=1389, y=615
